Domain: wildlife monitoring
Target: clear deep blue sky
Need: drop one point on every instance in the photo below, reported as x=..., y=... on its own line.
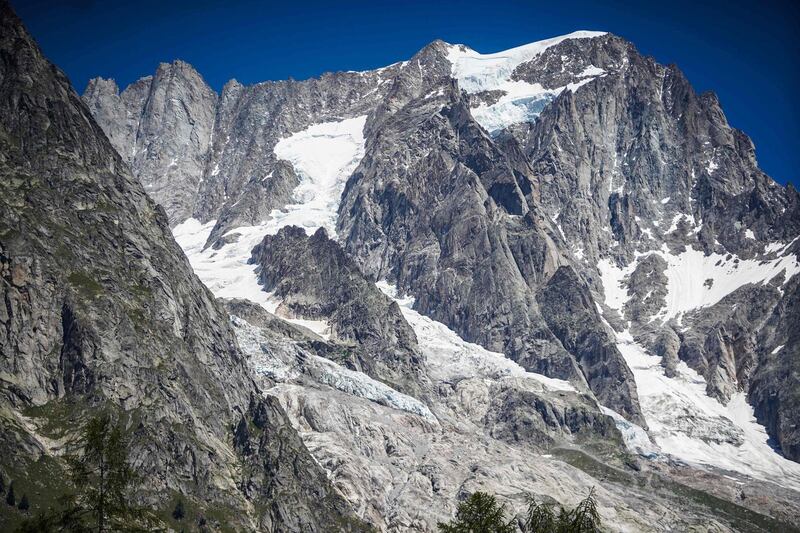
x=747, y=52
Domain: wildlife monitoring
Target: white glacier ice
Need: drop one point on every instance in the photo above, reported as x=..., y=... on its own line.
x=635, y=437
x=323, y=370
x=324, y=156
x=521, y=101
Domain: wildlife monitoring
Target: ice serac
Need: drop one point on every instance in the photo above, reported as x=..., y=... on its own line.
x=162, y=126
x=101, y=311
x=451, y=215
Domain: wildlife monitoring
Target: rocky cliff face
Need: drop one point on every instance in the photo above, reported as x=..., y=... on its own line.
x=315, y=280
x=174, y=131
x=458, y=226
x=162, y=126
x=656, y=167
x=101, y=310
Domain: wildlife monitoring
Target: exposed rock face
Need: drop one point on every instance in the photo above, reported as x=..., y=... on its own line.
x=174, y=132
x=162, y=126
x=244, y=180
x=519, y=415
x=640, y=138
x=773, y=385
x=316, y=280
x=488, y=434
x=457, y=225
x=640, y=156
x=101, y=310
x=571, y=314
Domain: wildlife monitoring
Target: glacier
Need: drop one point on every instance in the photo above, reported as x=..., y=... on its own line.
x=521, y=101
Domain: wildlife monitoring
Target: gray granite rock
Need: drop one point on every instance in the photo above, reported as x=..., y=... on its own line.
x=316, y=280
x=162, y=125
x=101, y=310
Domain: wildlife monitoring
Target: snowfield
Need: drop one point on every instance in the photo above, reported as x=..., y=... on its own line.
x=688, y=424
x=521, y=101
x=688, y=275
x=324, y=156
x=684, y=421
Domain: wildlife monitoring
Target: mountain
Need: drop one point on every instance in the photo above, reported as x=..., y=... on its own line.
x=529, y=272
x=103, y=312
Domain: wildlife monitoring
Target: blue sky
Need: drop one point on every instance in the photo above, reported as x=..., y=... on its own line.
x=747, y=52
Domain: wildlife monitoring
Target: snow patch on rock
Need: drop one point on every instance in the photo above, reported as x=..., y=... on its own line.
x=688, y=424
x=324, y=156
x=451, y=358
x=688, y=274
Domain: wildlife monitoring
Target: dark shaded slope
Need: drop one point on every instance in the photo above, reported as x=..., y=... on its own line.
x=100, y=309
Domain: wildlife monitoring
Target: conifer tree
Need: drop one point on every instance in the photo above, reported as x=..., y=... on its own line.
x=585, y=518
x=480, y=513
x=102, y=478
x=541, y=517
x=24, y=505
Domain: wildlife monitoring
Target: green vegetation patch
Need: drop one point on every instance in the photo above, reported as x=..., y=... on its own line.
x=85, y=284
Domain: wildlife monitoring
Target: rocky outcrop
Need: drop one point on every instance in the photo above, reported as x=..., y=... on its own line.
x=210, y=157
x=636, y=162
x=316, y=280
x=572, y=316
x=101, y=310
x=162, y=126
x=773, y=390
x=519, y=415
x=636, y=147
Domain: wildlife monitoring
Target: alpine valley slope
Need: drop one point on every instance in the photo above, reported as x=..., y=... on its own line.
x=593, y=282
x=101, y=312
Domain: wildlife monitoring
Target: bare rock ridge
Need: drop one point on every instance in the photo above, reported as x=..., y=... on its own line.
x=162, y=126
x=219, y=150
x=316, y=280
x=459, y=227
x=677, y=177
x=101, y=310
